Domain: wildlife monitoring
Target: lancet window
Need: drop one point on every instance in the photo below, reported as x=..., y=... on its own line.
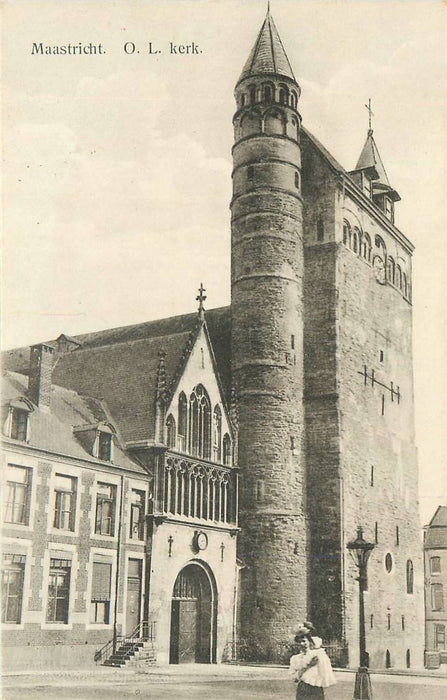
x=200, y=423
x=217, y=434
x=182, y=421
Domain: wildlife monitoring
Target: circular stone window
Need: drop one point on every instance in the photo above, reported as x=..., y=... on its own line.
x=388, y=562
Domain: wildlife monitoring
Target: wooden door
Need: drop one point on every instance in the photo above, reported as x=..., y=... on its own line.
x=188, y=631
x=133, y=602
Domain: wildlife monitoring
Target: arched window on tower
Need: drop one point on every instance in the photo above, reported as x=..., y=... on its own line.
x=355, y=240
x=391, y=269
x=182, y=422
x=200, y=423
x=404, y=284
x=243, y=98
x=297, y=180
x=170, y=431
x=267, y=93
x=366, y=247
x=283, y=95
x=217, y=434
x=293, y=99
x=226, y=442
x=410, y=576
x=252, y=90
x=346, y=234
x=398, y=276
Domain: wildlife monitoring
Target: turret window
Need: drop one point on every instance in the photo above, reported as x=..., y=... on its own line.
x=293, y=99
x=297, y=180
x=268, y=93
x=252, y=89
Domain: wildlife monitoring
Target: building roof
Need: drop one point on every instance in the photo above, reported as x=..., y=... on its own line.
x=120, y=365
x=52, y=430
x=436, y=532
x=267, y=54
x=370, y=158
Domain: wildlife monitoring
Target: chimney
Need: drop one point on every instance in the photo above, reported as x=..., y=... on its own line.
x=40, y=369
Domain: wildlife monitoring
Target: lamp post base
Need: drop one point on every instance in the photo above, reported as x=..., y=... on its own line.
x=362, y=688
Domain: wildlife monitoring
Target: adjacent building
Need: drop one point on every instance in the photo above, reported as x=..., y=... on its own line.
x=435, y=555
x=300, y=392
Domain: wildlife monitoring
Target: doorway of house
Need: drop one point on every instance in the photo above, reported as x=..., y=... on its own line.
x=133, y=608
x=193, y=613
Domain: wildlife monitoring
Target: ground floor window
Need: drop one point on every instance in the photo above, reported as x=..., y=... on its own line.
x=440, y=637
x=58, y=591
x=12, y=588
x=101, y=587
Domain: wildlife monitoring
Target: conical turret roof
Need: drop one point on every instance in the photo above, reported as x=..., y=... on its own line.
x=268, y=55
x=370, y=158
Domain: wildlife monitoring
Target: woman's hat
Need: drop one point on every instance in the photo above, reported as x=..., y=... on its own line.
x=302, y=632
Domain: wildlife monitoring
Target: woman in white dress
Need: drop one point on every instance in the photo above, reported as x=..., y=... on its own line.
x=311, y=668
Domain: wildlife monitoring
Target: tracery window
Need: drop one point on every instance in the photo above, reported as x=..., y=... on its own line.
x=200, y=423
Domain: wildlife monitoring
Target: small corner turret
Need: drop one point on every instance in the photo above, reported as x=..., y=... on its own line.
x=370, y=175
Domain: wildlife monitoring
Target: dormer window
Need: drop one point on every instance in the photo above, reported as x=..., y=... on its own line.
x=105, y=442
x=16, y=425
x=19, y=424
x=389, y=209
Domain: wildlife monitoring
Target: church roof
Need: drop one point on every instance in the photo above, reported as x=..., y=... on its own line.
x=436, y=533
x=120, y=365
x=268, y=55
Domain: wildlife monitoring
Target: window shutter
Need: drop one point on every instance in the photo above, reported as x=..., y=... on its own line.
x=102, y=573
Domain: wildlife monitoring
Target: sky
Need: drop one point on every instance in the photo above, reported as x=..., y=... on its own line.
x=117, y=167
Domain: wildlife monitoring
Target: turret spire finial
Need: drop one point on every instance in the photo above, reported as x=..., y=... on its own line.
x=370, y=114
x=201, y=297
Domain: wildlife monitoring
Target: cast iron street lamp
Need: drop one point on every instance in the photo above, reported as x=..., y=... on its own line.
x=360, y=551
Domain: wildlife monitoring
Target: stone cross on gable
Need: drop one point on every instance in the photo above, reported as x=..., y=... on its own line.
x=370, y=112
x=201, y=297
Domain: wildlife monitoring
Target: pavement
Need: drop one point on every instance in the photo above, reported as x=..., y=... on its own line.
x=207, y=682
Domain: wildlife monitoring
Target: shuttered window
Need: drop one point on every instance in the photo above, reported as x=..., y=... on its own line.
x=101, y=588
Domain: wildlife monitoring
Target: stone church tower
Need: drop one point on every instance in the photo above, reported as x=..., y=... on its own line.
x=267, y=341
x=322, y=367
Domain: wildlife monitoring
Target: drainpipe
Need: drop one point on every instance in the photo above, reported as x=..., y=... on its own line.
x=118, y=562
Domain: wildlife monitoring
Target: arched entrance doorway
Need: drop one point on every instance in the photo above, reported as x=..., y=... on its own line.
x=193, y=617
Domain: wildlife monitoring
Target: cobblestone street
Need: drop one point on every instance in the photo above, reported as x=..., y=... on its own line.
x=204, y=683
